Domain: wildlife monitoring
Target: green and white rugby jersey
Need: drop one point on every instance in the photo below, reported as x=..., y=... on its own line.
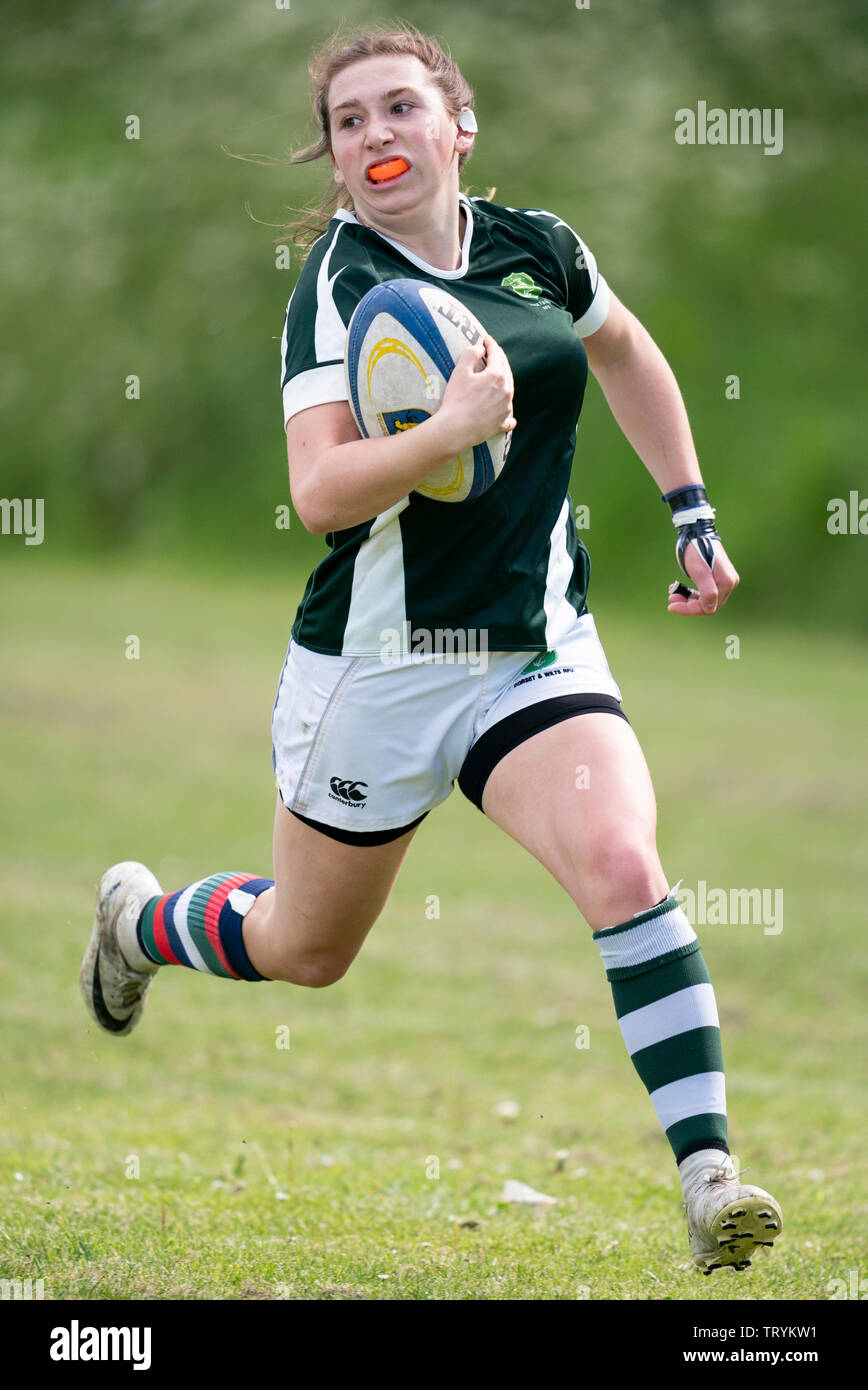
x=508, y=564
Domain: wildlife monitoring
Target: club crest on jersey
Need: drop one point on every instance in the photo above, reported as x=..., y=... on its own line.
x=522, y=284
x=396, y=420
x=544, y=659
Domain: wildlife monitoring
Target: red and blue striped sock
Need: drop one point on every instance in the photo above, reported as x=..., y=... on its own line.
x=201, y=926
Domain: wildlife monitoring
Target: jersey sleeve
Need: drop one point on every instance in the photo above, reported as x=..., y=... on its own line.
x=315, y=331
x=588, y=296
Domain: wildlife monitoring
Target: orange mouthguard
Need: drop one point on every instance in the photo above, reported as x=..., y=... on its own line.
x=388, y=170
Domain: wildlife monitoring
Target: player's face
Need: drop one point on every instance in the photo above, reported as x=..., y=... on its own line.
x=382, y=108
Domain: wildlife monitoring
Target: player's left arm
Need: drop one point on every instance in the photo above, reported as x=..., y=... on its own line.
x=644, y=398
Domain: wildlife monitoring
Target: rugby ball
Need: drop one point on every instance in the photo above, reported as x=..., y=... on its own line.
x=403, y=341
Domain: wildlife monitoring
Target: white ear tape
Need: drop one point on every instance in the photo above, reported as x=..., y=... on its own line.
x=467, y=120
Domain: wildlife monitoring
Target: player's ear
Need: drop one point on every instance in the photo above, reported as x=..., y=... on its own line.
x=338, y=176
x=464, y=141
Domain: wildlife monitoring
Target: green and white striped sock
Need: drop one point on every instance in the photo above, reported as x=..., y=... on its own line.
x=667, y=1014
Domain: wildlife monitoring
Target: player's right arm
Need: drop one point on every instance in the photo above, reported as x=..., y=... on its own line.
x=337, y=479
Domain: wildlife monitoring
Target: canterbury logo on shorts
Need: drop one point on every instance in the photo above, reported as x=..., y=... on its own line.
x=347, y=791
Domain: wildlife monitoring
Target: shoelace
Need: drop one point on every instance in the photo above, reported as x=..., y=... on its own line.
x=717, y=1175
x=131, y=992
x=721, y=1174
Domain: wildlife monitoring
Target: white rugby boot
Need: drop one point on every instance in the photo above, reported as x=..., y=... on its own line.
x=726, y=1220
x=115, y=975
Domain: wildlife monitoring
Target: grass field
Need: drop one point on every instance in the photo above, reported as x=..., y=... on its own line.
x=304, y=1173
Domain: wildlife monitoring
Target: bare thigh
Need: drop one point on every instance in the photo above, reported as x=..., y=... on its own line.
x=578, y=797
x=309, y=928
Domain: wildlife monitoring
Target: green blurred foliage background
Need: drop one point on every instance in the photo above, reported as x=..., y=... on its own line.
x=155, y=257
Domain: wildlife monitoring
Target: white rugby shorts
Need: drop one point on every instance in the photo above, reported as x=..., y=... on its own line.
x=363, y=745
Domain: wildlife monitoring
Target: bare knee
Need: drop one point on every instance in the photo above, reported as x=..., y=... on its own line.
x=616, y=877
x=312, y=973
x=296, y=951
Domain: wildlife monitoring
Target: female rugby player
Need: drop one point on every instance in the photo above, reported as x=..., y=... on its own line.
x=366, y=742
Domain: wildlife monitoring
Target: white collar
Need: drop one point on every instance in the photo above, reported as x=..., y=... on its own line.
x=344, y=215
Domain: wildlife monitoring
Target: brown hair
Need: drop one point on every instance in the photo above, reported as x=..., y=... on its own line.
x=337, y=53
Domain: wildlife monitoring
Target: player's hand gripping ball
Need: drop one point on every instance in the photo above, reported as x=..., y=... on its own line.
x=403, y=341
